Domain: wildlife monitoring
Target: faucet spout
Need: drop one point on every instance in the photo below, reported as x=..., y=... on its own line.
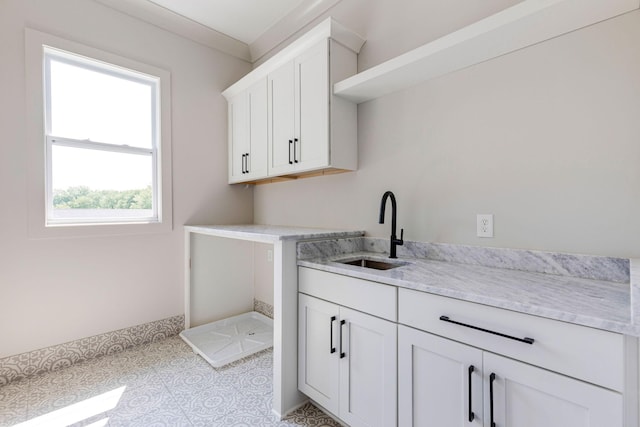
x=394, y=241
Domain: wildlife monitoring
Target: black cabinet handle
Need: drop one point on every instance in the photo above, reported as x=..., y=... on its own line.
x=243, y=171
x=295, y=158
x=290, y=142
x=342, y=353
x=246, y=160
x=471, y=414
x=524, y=340
x=492, y=378
x=331, y=347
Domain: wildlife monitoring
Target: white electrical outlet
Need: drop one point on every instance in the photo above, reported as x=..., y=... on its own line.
x=484, y=225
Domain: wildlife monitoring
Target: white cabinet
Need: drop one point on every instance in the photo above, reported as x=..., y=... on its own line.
x=248, y=134
x=299, y=115
x=439, y=381
x=444, y=383
x=524, y=395
x=566, y=381
x=318, y=357
x=347, y=359
x=347, y=362
x=368, y=376
x=458, y=363
x=282, y=120
x=301, y=127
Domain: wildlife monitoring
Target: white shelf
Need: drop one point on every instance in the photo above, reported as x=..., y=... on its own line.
x=519, y=26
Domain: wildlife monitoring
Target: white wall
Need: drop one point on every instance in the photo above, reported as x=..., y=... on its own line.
x=546, y=138
x=226, y=276
x=263, y=272
x=57, y=290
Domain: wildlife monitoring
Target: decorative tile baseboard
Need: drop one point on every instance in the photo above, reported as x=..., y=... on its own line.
x=263, y=308
x=20, y=366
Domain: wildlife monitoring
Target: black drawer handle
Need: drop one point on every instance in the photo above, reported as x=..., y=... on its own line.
x=524, y=340
x=295, y=158
x=492, y=378
x=471, y=414
x=290, y=142
x=246, y=162
x=342, y=353
x=332, y=349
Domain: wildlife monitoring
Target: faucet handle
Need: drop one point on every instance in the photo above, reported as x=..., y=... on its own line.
x=401, y=241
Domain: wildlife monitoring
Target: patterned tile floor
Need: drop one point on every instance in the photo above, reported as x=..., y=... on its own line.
x=158, y=384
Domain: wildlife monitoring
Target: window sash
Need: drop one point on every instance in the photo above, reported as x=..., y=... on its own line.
x=103, y=68
x=51, y=140
x=100, y=146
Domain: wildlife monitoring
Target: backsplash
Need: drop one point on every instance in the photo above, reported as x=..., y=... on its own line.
x=583, y=266
x=263, y=308
x=330, y=247
x=20, y=366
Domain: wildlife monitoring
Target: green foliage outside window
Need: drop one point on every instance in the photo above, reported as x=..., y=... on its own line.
x=85, y=198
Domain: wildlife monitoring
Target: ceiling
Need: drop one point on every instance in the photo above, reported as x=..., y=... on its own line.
x=244, y=20
x=246, y=29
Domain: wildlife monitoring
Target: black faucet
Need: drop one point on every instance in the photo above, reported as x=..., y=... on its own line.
x=394, y=240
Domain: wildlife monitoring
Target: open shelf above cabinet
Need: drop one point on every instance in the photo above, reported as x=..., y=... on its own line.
x=519, y=26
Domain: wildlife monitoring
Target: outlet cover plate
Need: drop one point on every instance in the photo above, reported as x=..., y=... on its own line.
x=484, y=225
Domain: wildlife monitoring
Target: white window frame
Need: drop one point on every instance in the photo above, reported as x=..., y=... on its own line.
x=51, y=140
x=38, y=46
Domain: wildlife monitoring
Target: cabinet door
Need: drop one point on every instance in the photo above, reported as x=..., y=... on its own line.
x=256, y=161
x=238, y=136
x=281, y=120
x=527, y=396
x=368, y=375
x=435, y=376
x=311, y=150
x=318, y=356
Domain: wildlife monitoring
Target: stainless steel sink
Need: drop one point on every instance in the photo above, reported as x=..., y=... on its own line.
x=370, y=263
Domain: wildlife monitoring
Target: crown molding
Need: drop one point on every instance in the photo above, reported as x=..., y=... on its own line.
x=296, y=20
x=164, y=18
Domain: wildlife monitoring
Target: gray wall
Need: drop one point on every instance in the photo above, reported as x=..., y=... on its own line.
x=58, y=290
x=546, y=138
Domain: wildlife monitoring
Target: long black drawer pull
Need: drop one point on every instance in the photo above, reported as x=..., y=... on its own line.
x=246, y=162
x=342, y=353
x=492, y=378
x=524, y=340
x=243, y=171
x=471, y=414
x=295, y=158
x=331, y=347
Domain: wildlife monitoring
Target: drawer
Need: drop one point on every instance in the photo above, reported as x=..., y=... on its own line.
x=370, y=297
x=586, y=353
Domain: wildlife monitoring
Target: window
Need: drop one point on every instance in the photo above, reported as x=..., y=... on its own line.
x=101, y=141
x=98, y=141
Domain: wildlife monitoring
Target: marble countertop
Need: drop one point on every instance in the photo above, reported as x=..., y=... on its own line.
x=269, y=233
x=594, y=303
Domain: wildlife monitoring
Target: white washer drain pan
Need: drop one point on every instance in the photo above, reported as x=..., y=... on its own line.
x=230, y=339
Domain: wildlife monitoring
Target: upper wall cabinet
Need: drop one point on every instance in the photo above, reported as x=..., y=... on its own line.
x=524, y=24
x=284, y=121
x=248, y=133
